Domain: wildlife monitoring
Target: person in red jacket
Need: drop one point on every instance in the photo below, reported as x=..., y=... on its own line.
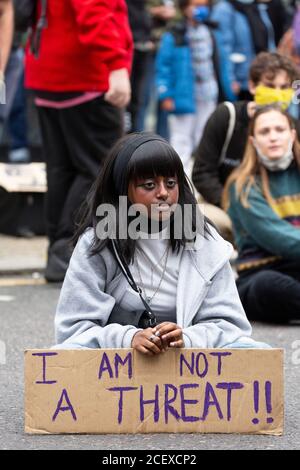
x=80, y=76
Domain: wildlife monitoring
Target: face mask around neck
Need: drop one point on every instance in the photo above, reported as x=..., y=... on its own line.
x=278, y=164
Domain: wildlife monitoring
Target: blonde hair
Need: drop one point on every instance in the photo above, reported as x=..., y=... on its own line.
x=244, y=177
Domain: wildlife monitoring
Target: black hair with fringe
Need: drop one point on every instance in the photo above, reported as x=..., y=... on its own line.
x=153, y=158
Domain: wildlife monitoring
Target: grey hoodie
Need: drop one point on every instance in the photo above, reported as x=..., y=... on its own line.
x=208, y=306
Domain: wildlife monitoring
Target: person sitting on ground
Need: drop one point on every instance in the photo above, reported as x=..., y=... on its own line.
x=222, y=145
x=262, y=198
x=151, y=281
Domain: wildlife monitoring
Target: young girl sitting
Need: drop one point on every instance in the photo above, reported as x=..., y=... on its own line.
x=179, y=291
x=263, y=200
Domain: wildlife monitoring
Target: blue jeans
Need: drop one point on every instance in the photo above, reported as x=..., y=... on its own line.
x=13, y=73
x=17, y=122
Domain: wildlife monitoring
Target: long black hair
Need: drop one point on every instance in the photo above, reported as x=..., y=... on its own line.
x=155, y=157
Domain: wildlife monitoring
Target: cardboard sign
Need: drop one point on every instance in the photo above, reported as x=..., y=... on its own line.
x=184, y=390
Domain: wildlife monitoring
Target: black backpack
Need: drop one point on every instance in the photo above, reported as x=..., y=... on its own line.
x=26, y=19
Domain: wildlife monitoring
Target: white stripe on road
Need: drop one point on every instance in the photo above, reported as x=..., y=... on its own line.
x=6, y=298
x=11, y=282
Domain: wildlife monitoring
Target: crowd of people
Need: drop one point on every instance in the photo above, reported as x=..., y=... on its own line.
x=215, y=83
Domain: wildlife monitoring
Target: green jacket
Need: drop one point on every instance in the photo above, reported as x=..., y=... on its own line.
x=266, y=234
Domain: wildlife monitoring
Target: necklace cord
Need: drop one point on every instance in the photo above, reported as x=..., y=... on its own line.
x=126, y=271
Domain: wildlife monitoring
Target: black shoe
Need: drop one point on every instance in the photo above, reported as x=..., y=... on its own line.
x=24, y=232
x=59, y=255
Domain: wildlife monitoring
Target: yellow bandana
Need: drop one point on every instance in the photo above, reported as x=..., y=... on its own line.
x=265, y=95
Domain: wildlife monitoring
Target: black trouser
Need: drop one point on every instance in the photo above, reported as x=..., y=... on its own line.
x=75, y=141
x=138, y=81
x=272, y=295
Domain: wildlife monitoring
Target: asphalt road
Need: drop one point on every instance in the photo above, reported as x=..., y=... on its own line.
x=27, y=322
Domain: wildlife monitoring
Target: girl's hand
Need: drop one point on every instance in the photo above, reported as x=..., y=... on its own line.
x=146, y=342
x=170, y=335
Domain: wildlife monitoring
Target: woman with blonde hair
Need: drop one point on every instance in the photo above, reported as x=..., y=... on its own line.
x=262, y=197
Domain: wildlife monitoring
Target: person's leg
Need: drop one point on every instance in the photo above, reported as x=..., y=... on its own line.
x=181, y=135
x=12, y=75
x=60, y=170
x=270, y=296
x=17, y=125
x=60, y=177
x=162, y=122
x=147, y=93
x=291, y=267
x=138, y=78
x=89, y=130
x=203, y=112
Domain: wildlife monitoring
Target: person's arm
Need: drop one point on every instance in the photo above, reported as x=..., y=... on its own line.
x=267, y=229
x=206, y=172
x=84, y=307
x=6, y=32
x=99, y=28
x=221, y=318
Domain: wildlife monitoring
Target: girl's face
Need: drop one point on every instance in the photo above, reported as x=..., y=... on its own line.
x=157, y=194
x=272, y=134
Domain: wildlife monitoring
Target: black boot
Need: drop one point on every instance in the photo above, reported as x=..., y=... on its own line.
x=59, y=254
